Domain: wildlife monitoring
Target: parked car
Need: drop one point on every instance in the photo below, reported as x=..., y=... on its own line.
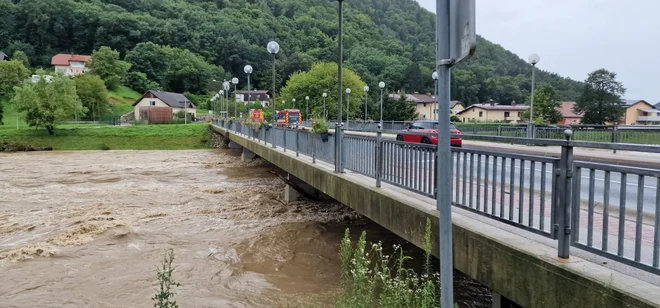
x=426, y=131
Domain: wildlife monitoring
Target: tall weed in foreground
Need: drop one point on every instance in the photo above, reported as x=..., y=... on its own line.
x=374, y=279
x=164, y=297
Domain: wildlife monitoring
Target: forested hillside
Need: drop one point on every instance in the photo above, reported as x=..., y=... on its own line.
x=389, y=40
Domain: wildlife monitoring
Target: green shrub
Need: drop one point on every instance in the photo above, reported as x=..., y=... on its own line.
x=164, y=296
x=319, y=126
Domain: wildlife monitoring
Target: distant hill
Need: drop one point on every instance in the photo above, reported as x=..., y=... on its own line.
x=389, y=40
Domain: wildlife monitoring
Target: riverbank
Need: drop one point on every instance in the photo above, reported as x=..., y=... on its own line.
x=139, y=137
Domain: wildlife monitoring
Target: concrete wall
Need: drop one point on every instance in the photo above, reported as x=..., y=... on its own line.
x=519, y=269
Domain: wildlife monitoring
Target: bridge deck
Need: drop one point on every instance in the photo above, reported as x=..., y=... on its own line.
x=517, y=264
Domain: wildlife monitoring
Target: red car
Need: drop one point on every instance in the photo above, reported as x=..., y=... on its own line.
x=427, y=132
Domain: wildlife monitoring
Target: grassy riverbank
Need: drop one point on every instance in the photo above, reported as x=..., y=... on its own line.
x=141, y=137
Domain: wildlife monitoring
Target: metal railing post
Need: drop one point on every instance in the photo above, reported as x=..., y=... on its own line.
x=379, y=156
x=313, y=142
x=297, y=141
x=272, y=135
x=499, y=130
x=615, y=136
x=284, y=130
x=564, y=197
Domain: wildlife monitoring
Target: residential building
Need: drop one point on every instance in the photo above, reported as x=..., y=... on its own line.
x=639, y=112
x=70, y=64
x=3, y=56
x=256, y=96
x=426, y=103
x=493, y=112
x=569, y=116
x=154, y=98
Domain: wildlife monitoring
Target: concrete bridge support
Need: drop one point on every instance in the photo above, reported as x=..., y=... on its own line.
x=247, y=155
x=296, y=187
x=500, y=301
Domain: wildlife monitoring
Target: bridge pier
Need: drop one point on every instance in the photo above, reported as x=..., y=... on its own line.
x=500, y=301
x=247, y=155
x=295, y=188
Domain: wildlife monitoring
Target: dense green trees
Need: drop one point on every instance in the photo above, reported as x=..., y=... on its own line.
x=93, y=95
x=322, y=78
x=46, y=103
x=107, y=65
x=388, y=40
x=12, y=73
x=600, y=101
x=545, y=102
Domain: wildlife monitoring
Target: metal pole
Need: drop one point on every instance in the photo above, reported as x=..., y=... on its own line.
x=444, y=161
x=530, y=127
x=307, y=110
x=248, y=103
x=325, y=113
x=564, y=184
x=348, y=107
x=235, y=108
x=274, y=109
x=185, y=112
x=340, y=63
x=436, y=110
x=366, y=101
x=381, y=108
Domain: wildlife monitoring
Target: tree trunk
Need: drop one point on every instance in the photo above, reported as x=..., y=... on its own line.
x=50, y=129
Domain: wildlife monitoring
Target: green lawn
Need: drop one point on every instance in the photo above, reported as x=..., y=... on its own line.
x=140, y=137
x=122, y=100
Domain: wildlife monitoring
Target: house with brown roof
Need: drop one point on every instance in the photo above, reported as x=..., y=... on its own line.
x=70, y=64
x=426, y=103
x=255, y=96
x=494, y=113
x=569, y=116
x=155, y=99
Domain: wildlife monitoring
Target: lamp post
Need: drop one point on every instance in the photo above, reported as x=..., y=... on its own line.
x=340, y=64
x=435, y=94
x=307, y=108
x=273, y=47
x=221, y=94
x=293, y=102
x=226, y=87
x=348, y=104
x=235, y=82
x=533, y=60
x=381, y=85
x=248, y=70
x=325, y=113
x=366, y=101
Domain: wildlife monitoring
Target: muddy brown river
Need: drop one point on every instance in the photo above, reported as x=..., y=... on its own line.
x=87, y=229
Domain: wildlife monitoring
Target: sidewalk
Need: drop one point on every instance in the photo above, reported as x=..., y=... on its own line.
x=640, y=159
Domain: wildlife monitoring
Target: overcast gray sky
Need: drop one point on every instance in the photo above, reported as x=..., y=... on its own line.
x=576, y=37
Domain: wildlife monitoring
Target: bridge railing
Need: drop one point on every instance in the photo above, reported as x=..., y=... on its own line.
x=610, y=210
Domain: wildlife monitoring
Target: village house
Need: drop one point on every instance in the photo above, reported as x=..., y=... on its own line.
x=569, y=116
x=256, y=96
x=493, y=112
x=160, y=100
x=70, y=64
x=426, y=103
x=639, y=112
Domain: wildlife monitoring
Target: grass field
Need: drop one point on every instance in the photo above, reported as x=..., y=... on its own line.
x=140, y=137
x=122, y=100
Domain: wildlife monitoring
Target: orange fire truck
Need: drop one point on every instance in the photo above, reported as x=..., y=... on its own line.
x=288, y=118
x=256, y=115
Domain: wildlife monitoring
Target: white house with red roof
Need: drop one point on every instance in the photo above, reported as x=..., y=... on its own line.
x=70, y=64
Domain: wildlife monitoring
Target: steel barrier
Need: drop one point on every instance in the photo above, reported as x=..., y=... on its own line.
x=580, y=204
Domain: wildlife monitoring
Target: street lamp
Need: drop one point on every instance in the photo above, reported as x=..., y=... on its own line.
x=348, y=103
x=325, y=113
x=533, y=60
x=366, y=101
x=248, y=70
x=235, y=82
x=273, y=47
x=221, y=95
x=381, y=85
x=307, y=109
x=340, y=82
x=293, y=100
x=435, y=94
x=225, y=85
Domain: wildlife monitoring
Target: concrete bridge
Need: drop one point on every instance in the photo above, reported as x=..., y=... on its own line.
x=518, y=265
